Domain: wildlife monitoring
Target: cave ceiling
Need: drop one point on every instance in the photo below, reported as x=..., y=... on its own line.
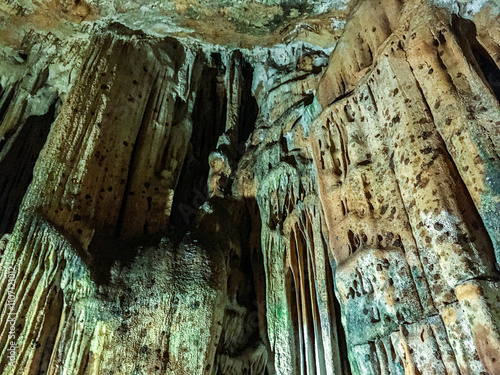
x=243, y=23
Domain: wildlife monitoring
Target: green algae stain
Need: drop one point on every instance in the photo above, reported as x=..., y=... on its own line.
x=490, y=198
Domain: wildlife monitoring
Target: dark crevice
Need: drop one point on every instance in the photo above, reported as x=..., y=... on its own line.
x=249, y=108
x=375, y=107
x=16, y=169
x=258, y=271
x=480, y=59
x=340, y=97
x=354, y=241
x=209, y=121
x=290, y=80
x=315, y=312
x=87, y=354
x=293, y=307
x=52, y=325
x=245, y=266
x=106, y=250
x=298, y=105
x=307, y=315
x=9, y=95
x=336, y=314
x=488, y=67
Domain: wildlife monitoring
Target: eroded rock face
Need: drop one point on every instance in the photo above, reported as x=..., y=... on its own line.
x=319, y=197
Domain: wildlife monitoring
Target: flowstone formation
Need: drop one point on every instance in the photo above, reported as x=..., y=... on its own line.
x=252, y=187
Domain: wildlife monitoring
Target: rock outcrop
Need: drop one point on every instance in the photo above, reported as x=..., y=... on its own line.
x=257, y=187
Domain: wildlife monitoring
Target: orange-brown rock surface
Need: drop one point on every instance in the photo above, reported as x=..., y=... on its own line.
x=250, y=188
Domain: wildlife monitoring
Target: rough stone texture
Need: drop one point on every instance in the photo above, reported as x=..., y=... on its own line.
x=297, y=188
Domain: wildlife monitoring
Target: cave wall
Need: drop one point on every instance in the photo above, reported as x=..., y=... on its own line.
x=178, y=207
x=399, y=160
